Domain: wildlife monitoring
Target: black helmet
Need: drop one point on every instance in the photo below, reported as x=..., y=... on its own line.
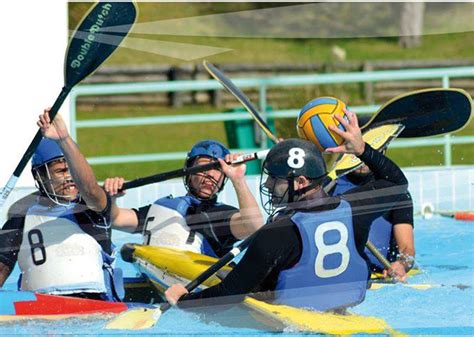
x=287, y=160
x=295, y=157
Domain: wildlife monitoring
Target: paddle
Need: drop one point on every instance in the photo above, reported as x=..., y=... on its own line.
x=143, y=318
x=146, y=318
x=378, y=137
x=345, y=164
x=425, y=112
x=190, y=170
x=87, y=50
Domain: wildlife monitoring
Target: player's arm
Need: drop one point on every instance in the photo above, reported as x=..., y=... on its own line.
x=5, y=271
x=381, y=166
x=402, y=219
x=370, y=201
x=124, y=219
x=249, y=218
x=403, y=233
x=81, y=171
x=10, y=241
x=276, y=247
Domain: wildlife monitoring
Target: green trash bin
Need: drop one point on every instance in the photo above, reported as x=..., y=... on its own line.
x=241, y=135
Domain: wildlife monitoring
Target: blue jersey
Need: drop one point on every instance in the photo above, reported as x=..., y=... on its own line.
x=380, y=231
x=330, y=273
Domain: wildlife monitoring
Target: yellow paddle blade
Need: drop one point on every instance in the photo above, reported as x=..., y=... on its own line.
x=377, y=138
x=326, y=323
x=376, y=286
x=379, y=276
x=135, y=319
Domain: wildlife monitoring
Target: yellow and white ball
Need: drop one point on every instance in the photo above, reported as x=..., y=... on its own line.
x=315, y=118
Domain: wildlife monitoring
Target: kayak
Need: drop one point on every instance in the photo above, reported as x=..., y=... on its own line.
x=18, y=305
x=167, y=266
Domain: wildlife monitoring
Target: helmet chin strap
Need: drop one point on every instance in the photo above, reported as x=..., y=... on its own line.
x=294, y=195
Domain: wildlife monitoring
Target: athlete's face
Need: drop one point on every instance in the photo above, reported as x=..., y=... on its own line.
x=206, y=184
x=59, y=180
x=278, y=189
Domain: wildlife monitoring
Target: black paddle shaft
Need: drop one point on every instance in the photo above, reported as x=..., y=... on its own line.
x=90, y=46
x=156, y=178
x=223, y=261
x=36, y=140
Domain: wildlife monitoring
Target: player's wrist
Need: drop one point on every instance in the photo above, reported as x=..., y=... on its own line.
x=406, y=260
x=64, y=138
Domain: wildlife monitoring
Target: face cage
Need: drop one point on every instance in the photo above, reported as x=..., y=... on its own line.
x=58, y=199
x=273, y=203
x=194, y=191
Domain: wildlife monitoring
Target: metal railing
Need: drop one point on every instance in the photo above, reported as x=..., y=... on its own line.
x=444, y=74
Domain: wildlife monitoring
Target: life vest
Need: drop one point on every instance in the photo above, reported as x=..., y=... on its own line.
x=380, y=230
x=330, y=273
x=166, y=226
x=56, y=256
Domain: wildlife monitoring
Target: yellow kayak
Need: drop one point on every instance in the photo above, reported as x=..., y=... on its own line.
x=166, y=266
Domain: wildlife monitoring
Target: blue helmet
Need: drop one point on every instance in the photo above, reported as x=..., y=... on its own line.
x=47, y=151
x=206, y=148
x=210, y=149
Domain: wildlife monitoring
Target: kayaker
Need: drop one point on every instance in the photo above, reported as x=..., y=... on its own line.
x=62, y=237
x=392, y=233
x=196, y=222
x=311, y=252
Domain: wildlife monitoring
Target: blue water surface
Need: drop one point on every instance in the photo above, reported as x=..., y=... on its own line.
x=445, y=253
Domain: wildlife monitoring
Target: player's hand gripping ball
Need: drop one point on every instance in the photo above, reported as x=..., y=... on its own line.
x=315, y=118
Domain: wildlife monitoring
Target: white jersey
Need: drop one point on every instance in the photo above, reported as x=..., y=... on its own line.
x=56, y=256
x=166, y=227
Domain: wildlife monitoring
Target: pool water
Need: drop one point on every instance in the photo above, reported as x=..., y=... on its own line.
x=445, y=254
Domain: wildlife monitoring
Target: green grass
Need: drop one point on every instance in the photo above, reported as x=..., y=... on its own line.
x=285, y=50
x=166, y=138
x=180, y=137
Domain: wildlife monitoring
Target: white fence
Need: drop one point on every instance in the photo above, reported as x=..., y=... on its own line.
x=447, y=188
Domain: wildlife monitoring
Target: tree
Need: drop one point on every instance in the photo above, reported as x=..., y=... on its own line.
x=411, y=24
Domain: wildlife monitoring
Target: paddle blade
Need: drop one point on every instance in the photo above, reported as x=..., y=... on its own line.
x=237, y=93
x=426, y=112
x=135, y=319
x=91, y=44
x=377, y=138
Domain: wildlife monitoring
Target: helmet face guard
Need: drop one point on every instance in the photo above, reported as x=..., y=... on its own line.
x=202, y=178
x=206, y=149
x=271, y=199
x=285, y=162
x=47, y=184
